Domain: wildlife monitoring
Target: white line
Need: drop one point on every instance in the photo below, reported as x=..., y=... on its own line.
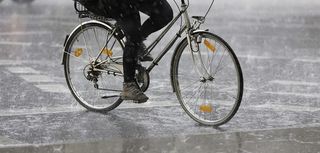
x=289, y=82
x=149, y=104
x=37, y=78
x=25, y=33
x=21, y=70
x=307, y=95
x=286, y=108
x=10, y=62
x=257, y=57
x=7, y=141
x=15, y=43
x=76, y=108
x=23, y=62
x=307, y=60
x=37, y=111
x=53, y=88
x=262, y=57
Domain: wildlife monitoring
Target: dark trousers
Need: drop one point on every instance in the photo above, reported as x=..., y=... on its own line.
x=126, y=13
x=160, y=14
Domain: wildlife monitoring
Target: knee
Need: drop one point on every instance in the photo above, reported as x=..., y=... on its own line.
x=163, y=13
x=166, y=15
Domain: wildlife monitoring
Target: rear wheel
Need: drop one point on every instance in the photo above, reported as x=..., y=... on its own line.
x=96, y=83
x=207, y=79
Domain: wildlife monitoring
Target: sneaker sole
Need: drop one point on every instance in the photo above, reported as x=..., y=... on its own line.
x=138, y=101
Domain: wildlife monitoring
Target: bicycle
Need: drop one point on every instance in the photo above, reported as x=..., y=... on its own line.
x=205, y=72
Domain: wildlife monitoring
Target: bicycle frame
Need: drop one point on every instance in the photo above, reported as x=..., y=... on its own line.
x=187, y=26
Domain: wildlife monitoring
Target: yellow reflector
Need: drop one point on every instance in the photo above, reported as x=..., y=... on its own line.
x=209, y=45
x=78, y=52
x=107, y=52
x=206, y=108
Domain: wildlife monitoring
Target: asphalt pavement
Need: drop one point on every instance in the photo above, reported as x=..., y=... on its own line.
x=277, y=43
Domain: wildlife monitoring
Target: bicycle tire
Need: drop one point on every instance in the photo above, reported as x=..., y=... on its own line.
x=68, y=56
x=206, y=114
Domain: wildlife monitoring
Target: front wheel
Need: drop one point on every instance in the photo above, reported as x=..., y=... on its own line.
x=207, y=79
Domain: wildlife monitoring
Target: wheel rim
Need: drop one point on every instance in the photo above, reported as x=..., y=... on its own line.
x=210, y=93
x=81, y=75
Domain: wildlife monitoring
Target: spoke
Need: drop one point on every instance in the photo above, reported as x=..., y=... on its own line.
x=195, y=93
x=95, y=36
x=191, y=84
x=209, y=59
x=187, y=77
x=85, y=43
x=219, y=63
x=226, y=92
x=213, y=57
x=78, y=59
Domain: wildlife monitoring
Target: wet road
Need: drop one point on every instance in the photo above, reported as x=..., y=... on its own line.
x=277, y=44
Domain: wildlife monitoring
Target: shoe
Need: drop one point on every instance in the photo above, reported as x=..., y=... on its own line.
x=132, y=92
x=142, y=53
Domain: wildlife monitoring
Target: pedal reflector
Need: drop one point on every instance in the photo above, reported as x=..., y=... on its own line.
x=107, y=52
x=78, y=52
x=206, y=108
x=209, y=45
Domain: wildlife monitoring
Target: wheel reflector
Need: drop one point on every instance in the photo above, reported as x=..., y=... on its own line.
x=78, y=52
x=107, y=52
x=206, y=108
x=209, y=45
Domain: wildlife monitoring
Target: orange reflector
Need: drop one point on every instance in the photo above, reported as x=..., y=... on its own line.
x=206, y=108
x=209, y=45
x=107, y=52
x=78, y=52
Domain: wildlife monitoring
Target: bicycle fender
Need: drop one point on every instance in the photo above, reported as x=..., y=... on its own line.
x=184, y=40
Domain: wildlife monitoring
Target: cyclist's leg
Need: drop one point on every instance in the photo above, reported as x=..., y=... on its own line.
x=130, y=24
x=160, y=13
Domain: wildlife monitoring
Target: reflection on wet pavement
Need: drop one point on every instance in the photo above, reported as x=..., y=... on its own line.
x=265, y=141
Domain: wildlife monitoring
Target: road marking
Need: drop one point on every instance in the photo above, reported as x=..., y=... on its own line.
x=44, y=110
x=75, y=107
x=286, y=108
x=307, y=60
x=10, y=62
x=306, y=95
x=53, y=88
x=4, y=141
x=263, y=57
x=257, y=57
x=289, y=82
x=149, y=104
x=37, y=78
x=15, y=43
x=21, y=70
x=25, y=33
